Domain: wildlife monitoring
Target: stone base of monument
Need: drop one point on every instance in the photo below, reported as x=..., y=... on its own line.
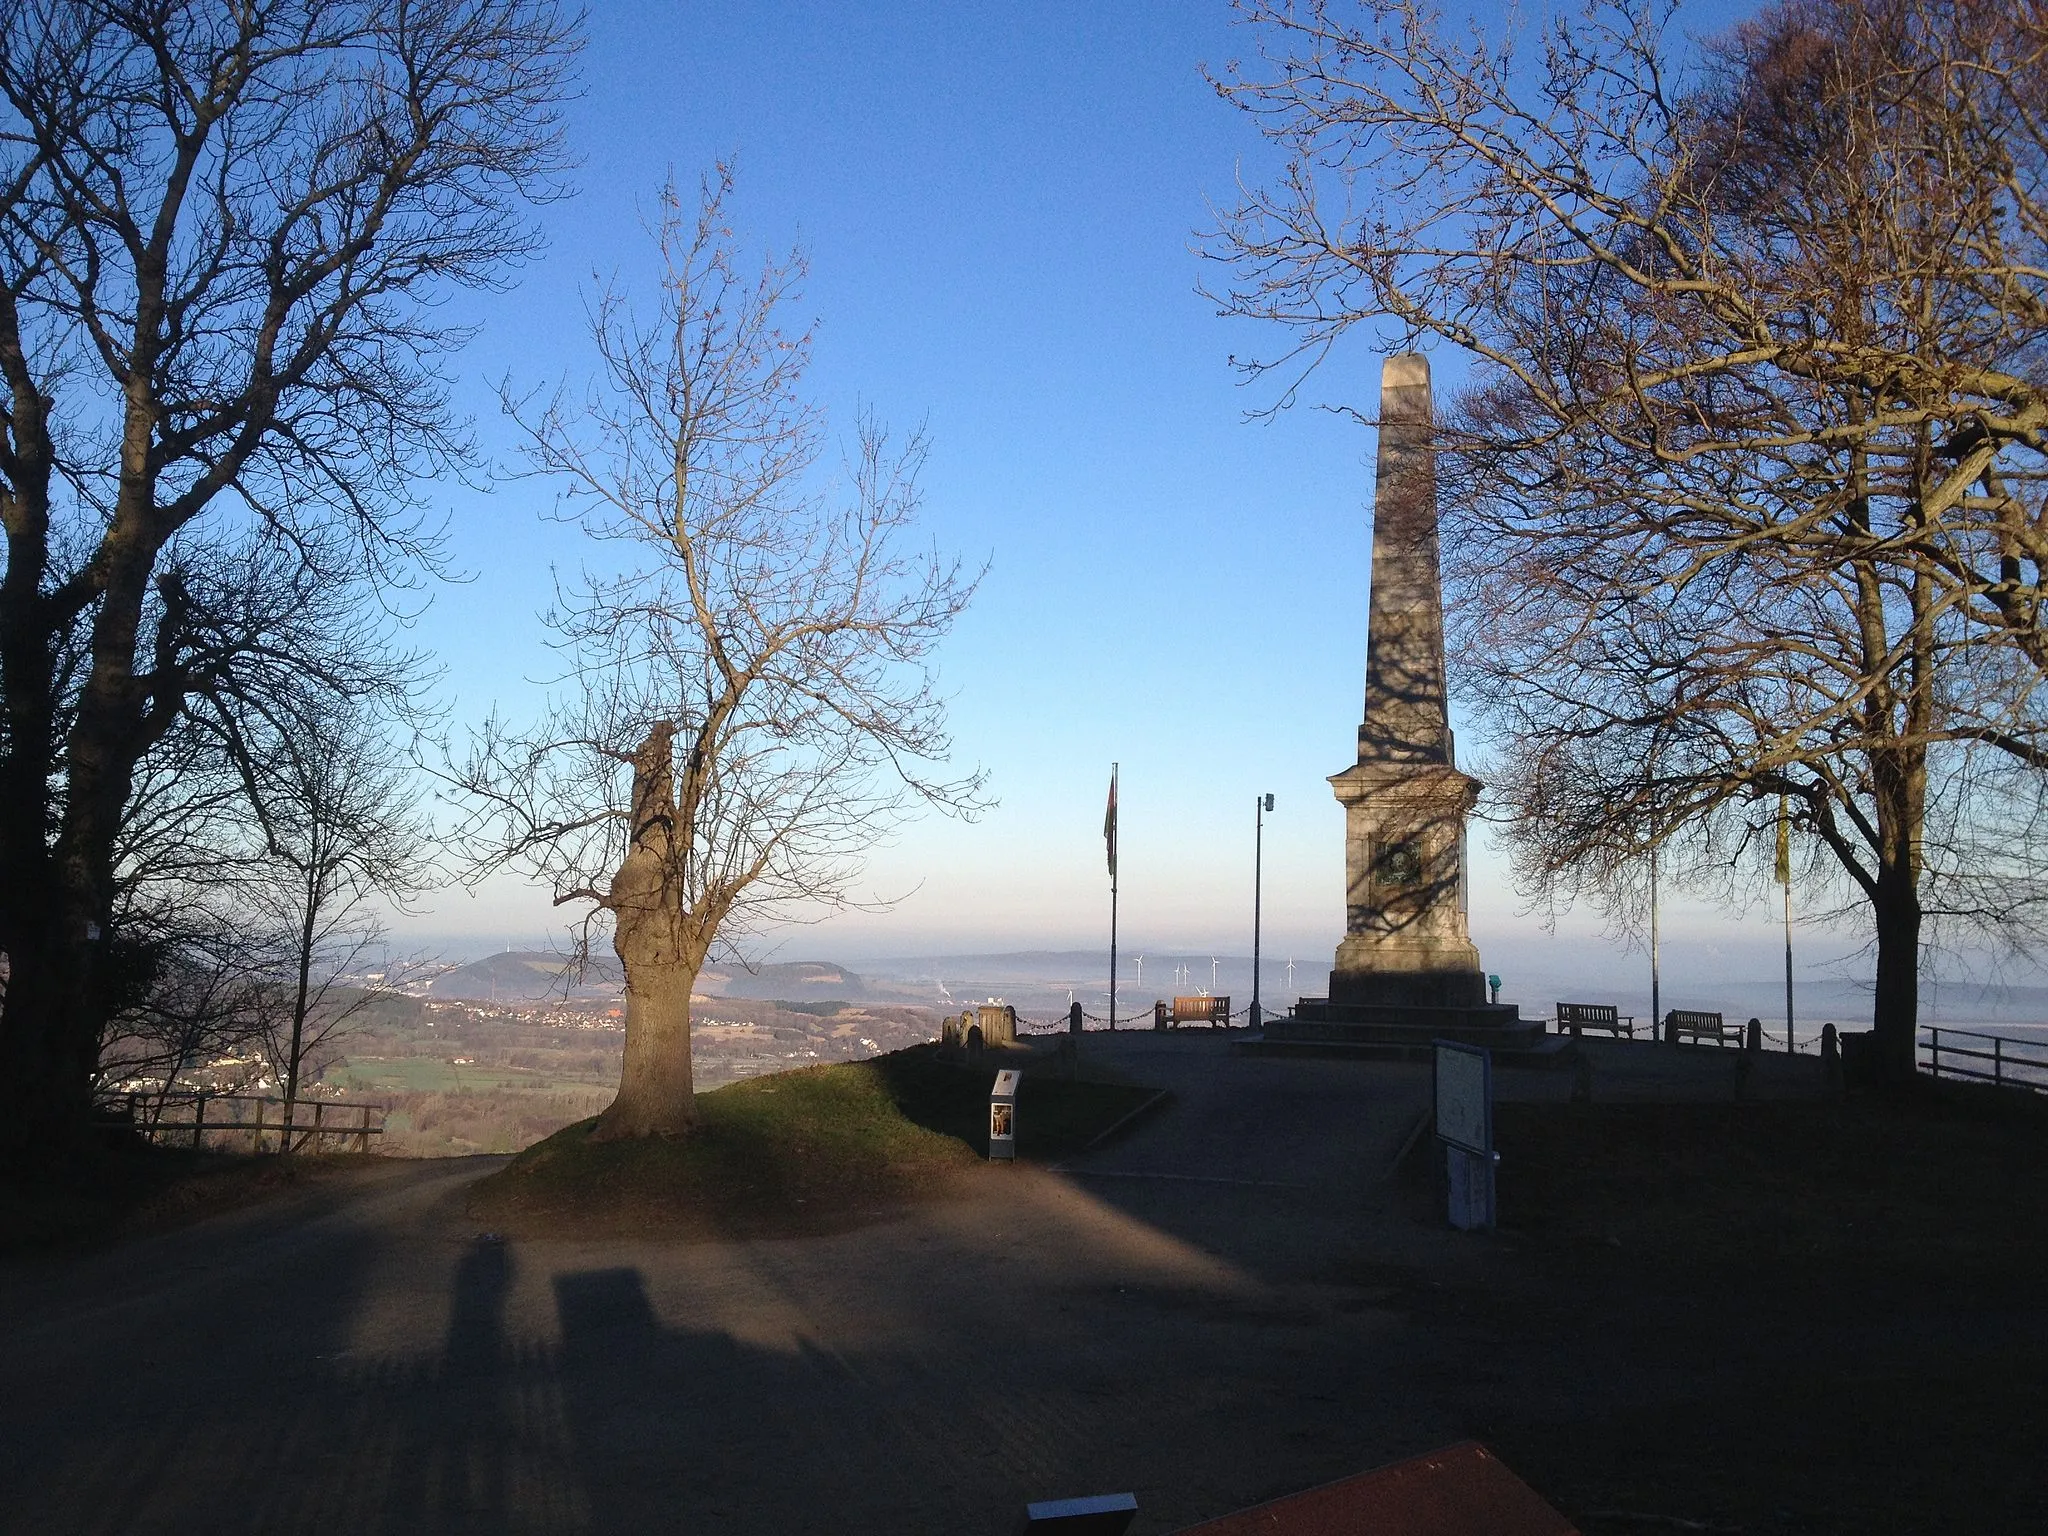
x=1392, y=1031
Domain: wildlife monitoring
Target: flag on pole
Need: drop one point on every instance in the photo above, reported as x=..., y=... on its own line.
x=1109, y=825
x=1784, y=841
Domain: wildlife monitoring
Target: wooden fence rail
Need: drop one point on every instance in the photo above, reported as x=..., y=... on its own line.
x=2006, y=1060
x=200, y=1115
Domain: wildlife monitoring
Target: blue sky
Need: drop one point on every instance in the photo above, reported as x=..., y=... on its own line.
x=1001, y=208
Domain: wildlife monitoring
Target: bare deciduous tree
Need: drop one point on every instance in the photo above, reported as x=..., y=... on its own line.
x=749, y=703
x=258, y=830
x=1747, y=495
x=341, y=835
x=217, y=227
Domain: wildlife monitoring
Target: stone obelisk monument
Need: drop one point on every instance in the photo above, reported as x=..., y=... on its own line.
x=1407, y=972
x=1405, y=802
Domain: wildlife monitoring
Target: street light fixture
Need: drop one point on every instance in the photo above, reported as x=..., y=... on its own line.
x=1260, y=805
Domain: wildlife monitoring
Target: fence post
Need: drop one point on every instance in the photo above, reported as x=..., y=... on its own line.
x=1998, y=1059
x=198, y=1120
x=363, y=1139
x=256, y=1147
x=319, y=1106
x=1933, y=1052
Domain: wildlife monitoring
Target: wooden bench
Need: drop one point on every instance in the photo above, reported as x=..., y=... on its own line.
x=1683, y=1023
x=1192, y=1010
x=1573, y=1018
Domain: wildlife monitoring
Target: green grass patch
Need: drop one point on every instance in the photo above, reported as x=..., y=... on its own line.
x=429, y=1074
x=1941, y=1187
x=824, y=1148
x=1849, y=1289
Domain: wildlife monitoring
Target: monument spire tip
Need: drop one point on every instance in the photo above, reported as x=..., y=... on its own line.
x=1405, y=371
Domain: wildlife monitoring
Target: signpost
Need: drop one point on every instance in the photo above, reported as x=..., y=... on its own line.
x=1464, y=1125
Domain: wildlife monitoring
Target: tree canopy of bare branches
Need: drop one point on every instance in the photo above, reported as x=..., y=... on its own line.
x=1746, y=498
x=749, y=702
x=221, y=230
x=342, y=833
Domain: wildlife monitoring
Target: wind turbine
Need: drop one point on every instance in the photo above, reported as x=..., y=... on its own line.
x=1212, y=975
x=1290, y=976
x=1140, y=982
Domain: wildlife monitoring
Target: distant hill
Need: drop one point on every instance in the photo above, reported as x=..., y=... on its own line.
x=794, y=981
x=527, y=976
x=536, y=975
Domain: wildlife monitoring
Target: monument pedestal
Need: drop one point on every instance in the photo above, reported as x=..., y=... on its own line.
x=1322, y=1026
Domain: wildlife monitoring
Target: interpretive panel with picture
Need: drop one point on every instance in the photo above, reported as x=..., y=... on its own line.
x=1464, y=1096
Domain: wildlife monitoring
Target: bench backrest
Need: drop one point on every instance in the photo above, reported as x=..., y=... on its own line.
x=1686, y=1018
x=1588, y=1013
x=1192, y=1010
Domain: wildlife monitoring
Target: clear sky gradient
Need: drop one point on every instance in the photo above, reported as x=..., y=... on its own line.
x=1001, y=208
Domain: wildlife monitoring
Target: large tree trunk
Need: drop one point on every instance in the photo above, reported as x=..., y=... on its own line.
x=657, y=1096
x=54, y=1017
x=46, y=1066
x=1899, y=782
x=1895, y=1011
x=57, y=994
x=30, y=625
x=660, y=947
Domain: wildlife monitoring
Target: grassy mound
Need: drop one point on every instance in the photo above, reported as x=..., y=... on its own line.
x=1939, y=1188
x=1851, y=1291
x=820, y=1149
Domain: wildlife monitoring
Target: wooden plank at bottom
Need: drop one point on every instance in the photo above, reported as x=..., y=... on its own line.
x=1462, y=1490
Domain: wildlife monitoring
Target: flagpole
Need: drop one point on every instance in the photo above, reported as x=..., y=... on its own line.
x=1112, y=895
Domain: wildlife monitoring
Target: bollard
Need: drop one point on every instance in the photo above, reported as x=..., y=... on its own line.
x=1073, y=1018
x=1831, y=1056
x=1754, y=1041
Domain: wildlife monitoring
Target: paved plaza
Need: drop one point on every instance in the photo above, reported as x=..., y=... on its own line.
x=1215, y=1309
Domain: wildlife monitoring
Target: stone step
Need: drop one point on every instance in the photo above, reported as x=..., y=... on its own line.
x=1543, y=1052
x=1315, y=1019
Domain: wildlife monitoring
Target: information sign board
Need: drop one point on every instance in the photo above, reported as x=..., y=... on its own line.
x=1464, y=1096
x=1002, y=1115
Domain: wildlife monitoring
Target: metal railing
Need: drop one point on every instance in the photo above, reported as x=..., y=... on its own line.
x=200, y=1115
x=2007, y=1060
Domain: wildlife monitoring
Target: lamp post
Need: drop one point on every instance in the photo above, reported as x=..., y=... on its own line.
x=1260, y=805
x=1656, y=1000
